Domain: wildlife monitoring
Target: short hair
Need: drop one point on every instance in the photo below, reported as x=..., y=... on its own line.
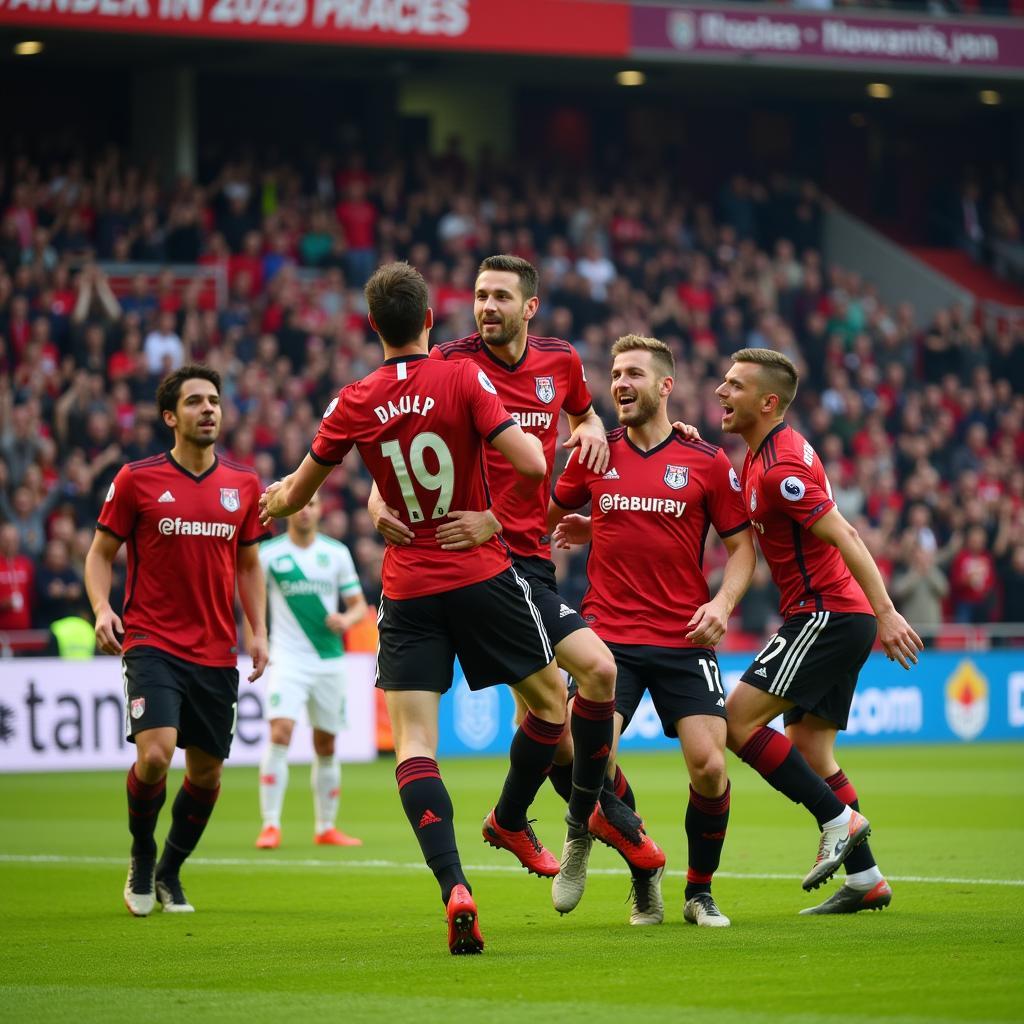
x=169, y=391
x=661, y=354
x=777, y=372
x=398, y=299
x=523, y=269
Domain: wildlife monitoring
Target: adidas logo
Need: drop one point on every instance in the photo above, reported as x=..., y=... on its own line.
x=566, y=610
x=166, y=496
x=603, y=752
x=429, y=818
x=762, y=672
x=612, y=474
x=720, y=703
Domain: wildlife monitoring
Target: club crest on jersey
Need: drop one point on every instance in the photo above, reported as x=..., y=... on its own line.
x=229, y=499
x=545, y=389
x=677, y=476
x=138, y=708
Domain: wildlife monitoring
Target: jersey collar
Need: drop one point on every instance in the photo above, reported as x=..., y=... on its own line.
x=181, y=469
x=500, y=363
x=771, y=433
x=404, y=359
x=647, y=454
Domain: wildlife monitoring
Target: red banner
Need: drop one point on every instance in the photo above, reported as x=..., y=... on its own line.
x=582, y=28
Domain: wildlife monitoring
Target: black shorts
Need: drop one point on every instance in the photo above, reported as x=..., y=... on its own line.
x=814, y=661
x=200, y=701
x=682, y=681
x=559, y=618
x=492, y=627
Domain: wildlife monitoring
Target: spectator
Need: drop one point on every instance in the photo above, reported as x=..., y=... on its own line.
x=972, y=578
x=164, y=351
x=920, y=589
x=59, y=589
x=16, y=582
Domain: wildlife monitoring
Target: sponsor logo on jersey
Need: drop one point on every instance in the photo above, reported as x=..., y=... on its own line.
x=753, y=501
x=110, y=492
x=792, y=488
x=677, y=477
x=165, y=497
x=485, y=383
x=967, y=701
x=229, y=499
x=734, y=480
x=545, y=389
x=138, y=707
x=612, y=474
x=330, y=408
x=179, y=527
x=634, y=503
x=532, y=419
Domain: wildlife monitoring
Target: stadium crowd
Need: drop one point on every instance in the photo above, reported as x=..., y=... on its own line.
x=920, y=424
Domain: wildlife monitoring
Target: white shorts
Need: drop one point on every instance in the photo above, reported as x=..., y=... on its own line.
x=290, y=688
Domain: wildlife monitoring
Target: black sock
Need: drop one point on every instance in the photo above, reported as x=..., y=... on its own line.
x=530, y=754
x=782, y=766
x=860, y=858
x=560, y=778
x=429, y=809
x=706, y=821
x=592, y=725
x=189, y=814
x=144, y=803
x=622, y=789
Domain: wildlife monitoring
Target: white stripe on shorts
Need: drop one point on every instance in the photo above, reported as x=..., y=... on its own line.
x=813, y=628
x=525, y=587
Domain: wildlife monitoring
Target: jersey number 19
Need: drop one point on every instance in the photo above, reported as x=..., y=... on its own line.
x=443, y=481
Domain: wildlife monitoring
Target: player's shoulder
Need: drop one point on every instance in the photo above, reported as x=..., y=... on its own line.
x=330, y=544
x=555, y=350
x=147, y=464
x=230, y=466
x=785, y=451
x=275, y=543
x=460, y=348
x=616, y=436
x=696, y=448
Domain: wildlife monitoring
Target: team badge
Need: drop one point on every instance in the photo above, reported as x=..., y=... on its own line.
x=110, y=492
x=677, y=476
x=229, y=499
x=545, y=389
x=138, y=708
x=330, y=408
x=734, y=480
x=753, y=501
x=322, y=560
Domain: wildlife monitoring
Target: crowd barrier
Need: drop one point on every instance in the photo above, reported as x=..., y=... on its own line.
x=70, y=716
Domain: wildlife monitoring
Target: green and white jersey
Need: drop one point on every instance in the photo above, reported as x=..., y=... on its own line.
x=303, y=585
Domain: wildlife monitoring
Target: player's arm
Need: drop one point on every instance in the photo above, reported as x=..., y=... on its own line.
x=99, y=573
x=285, y=497
x=385, y=518
x=588, y=433
x=898, y=639
x=355, y=609
x=568, y=529
x=252, y=591
x=711, y=621
x=526, y=453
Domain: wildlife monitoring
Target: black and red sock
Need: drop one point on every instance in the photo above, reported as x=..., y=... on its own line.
x=144, y=803
x=190, y=812
x=529, y=754
x=429, y=809
x=860, y=858
x=593, y=728
x=707, y=819
x=783, y=766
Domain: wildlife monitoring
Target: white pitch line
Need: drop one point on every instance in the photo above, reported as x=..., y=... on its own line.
x=391, y=865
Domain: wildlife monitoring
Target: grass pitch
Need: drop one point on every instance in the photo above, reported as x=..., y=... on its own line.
x=312, y=933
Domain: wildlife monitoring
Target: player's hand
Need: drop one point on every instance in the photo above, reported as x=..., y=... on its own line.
x=386, y=520
x=467, y=530
x=337, y=623
x=108, y=626
x=708, y=625
x=260, y=653
x=270, y=503
x=590, y=437
x=688, y=430
x=572, y=531
x=898, y=639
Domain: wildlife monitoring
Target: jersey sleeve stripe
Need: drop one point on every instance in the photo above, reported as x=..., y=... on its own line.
x=499, y=428
x=254, y=540
x=582, y=412
x=113, y=533
x=240, y=467
x=735, y=529
x=568, y=508
x=323, y=462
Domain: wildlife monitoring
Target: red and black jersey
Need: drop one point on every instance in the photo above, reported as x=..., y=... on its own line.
x=651, y=514
x=785, y=492
x=183, y=533
x=420, y=427
x=548, y=378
